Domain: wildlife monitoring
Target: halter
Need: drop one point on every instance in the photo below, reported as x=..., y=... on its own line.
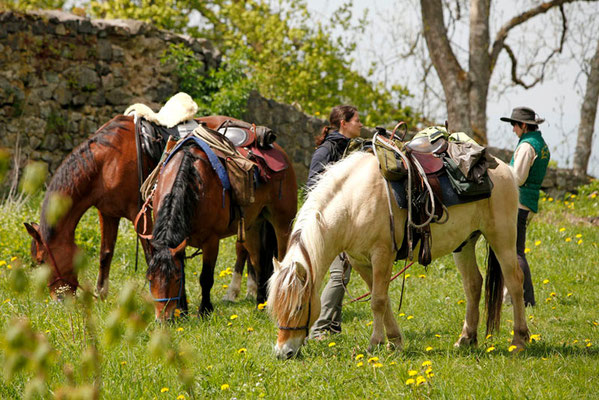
x=179, y=296
x=304, y=327
x=54, y=265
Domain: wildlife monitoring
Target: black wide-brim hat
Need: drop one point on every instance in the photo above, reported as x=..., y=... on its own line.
x=524, y=115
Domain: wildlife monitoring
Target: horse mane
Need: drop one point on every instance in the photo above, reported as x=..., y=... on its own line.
x=286, y=287
x=78, y=167
x=173, y=223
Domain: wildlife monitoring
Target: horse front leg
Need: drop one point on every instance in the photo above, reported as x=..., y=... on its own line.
x=472, y=282
x=379, y=303
x=109, y=228
x=209, y=256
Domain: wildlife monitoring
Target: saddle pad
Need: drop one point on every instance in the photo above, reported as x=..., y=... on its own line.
x=273, y=158
x=450, y=197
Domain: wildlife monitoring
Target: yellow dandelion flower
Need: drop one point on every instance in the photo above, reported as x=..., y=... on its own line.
x=234, y=316
x=262, y=306
x=488, y=336
x=392, y=363
x=222, y=274
x=530, y=316
x=421, y=276
x=317, y=113
x=429, y=348
x=589, y=344
x=359, y=356
x=535, y=337
x=490, y=349
x=195, y=273
x=412, y=372
x=562, y=229
x=550, y=199
x=575, y=341
x=593, y=195
x=377, y=365
x=420, y=380
x=262, y=394
x=373, y=359
x=359, y=364
x=408, y=275
x=572, y=196
x=568, y=239
x=369, y=323
x=243, y=350
x=512, y=348
x=537, y=242
x=569, y=294
x=123, y=362
x=410, y=382
x=427, y=363
x=402, y=314
x=595, y=323
x=230, y=324
x=181, y=397
x=177, y=313
x=225, y=286
x=578, y=236
x=209, y=367
x=545, y=281
x=332, y=344
x=6, y=301
x=250, y=329
x=180, y=329
x=526, y=250
x=410, y=316
x=164, y=390
x=553, y=308
x=437, y=335
x=461, y=301
x=9, y=266
x=512, y=332
x=548, y=299
x=12, y=259
x=225, y=386
x=552, y=294
x=579, y=242
x=429, y=372
x=2, y=263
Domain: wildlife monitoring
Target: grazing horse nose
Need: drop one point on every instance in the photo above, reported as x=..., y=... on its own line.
x=289, y=354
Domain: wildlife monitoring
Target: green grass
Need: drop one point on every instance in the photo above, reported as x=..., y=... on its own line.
x=116, y=344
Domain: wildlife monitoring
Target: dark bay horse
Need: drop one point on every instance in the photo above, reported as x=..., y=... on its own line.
x=190, y=208
x=101, y=172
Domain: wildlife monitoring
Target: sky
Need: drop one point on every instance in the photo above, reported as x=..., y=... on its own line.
x=557, y=99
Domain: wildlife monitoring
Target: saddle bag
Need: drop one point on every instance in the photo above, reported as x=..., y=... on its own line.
x=464, y=186
x=241, y=176
x=391, y=164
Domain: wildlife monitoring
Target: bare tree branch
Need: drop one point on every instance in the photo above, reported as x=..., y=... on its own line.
x=503, y=32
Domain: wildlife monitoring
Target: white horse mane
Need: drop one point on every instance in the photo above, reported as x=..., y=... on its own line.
x=287, y=284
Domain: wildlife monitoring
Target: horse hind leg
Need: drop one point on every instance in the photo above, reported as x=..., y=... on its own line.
x=465, y=260
x=109, y=227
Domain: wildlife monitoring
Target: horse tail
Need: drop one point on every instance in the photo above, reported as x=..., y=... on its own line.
x=493, y=292
x=173, y=223
x=268, y=250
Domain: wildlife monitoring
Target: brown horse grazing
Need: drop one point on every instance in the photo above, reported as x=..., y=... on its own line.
x=101, y=172
x=191, y=208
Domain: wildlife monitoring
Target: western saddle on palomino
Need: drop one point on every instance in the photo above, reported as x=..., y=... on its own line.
x=241, y=154
x=426, y=175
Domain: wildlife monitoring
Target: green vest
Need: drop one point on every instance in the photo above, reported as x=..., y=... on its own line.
x=529, y=191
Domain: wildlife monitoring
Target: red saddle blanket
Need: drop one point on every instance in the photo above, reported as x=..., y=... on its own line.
x=269, y=160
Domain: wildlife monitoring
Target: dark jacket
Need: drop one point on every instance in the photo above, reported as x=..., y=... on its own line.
x=330, y=151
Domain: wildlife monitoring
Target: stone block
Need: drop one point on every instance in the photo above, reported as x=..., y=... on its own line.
x=104, y=50
x=63, y=94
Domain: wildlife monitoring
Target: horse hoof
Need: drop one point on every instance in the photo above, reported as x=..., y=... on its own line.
x=205, y=311
x=464, y=341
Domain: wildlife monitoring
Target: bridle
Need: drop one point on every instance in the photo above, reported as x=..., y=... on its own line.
x=303, y=327
x=179, y=295
x=54, y=265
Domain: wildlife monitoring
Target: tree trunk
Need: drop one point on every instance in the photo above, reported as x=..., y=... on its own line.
x=453, y=78
x=479, y=64
x=588, y=113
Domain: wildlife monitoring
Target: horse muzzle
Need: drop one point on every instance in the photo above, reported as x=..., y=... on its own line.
x=288, y=349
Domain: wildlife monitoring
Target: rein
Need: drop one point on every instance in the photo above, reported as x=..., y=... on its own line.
x=54, y=265
x=391, y=280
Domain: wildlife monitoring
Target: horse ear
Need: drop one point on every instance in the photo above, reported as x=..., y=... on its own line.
x=276, y=264
x=34, y=231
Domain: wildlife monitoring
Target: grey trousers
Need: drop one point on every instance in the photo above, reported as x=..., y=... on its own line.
x=332, y=299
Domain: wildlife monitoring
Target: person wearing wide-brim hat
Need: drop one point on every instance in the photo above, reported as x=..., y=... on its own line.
x=529, y=164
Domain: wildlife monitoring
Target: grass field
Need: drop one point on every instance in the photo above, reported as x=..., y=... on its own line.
x=84, y=348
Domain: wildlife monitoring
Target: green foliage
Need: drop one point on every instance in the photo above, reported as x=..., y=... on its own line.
x=4, y=163
x=34, y=176
x=223, y=91
x=165, y=14
x=28, y=5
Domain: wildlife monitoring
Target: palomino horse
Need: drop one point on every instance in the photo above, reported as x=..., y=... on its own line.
x=191, y=208
x=347, y=211
x=101, y=172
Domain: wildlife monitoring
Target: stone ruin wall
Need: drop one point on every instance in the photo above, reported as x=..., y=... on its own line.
x=63, y=76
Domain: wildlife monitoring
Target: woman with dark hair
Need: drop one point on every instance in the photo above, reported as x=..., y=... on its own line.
x=529, y=164
x=344, y=124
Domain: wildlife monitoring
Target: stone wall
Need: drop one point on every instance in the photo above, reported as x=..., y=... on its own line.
x=63, y=76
